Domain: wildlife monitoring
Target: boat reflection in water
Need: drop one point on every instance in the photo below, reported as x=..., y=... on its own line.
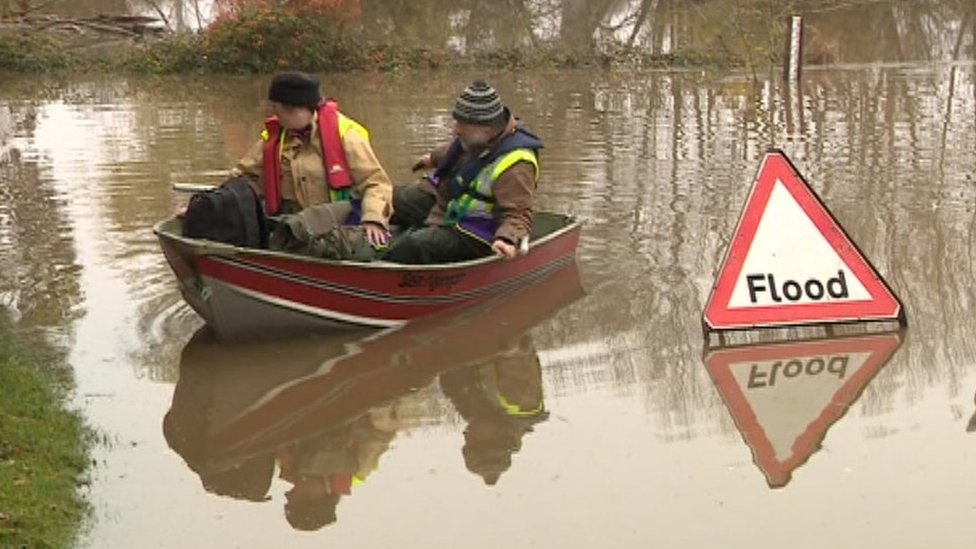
x=784, y=397
x=971, y=426
x=324, y=410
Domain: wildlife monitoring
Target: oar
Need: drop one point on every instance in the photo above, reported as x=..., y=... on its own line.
x=192, y=187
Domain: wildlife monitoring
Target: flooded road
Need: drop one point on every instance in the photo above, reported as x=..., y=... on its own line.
x=583, y=412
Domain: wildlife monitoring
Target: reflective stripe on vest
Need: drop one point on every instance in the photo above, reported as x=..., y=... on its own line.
x=489, y=387
x=514, y=410
x=478, y=201
x=345, y=192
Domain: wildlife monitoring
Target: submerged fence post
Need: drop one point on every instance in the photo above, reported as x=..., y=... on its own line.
x=794, y=56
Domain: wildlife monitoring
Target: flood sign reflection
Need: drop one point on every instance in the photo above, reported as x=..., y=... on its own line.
x=323, y=411
x=784, y=397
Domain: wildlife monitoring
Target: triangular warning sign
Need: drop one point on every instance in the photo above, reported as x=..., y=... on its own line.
x=784, y=397
x=790, y=262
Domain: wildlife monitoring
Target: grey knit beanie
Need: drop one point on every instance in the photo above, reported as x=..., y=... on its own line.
x=478, y=104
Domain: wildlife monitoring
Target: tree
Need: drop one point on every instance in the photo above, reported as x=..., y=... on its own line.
x=345, y=10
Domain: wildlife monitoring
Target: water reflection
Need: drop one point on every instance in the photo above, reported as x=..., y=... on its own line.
x=971, y=426
x=501, y=401
x=785, y=397
x=33, y=224
x=325, y=410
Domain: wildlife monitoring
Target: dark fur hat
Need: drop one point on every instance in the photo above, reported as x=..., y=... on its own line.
x=296, y=89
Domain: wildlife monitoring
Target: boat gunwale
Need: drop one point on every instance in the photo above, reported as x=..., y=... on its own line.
x=210, y=247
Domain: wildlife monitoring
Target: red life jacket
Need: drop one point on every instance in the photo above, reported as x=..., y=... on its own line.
x=333, y=156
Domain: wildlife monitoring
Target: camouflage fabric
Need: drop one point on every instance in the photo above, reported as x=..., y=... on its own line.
x=318, y=232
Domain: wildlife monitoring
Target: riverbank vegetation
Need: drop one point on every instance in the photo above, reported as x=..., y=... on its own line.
x=43, y=451
x=263, y=36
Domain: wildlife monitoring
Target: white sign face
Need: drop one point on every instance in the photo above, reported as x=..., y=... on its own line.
x=788, y=395
x=791, y=261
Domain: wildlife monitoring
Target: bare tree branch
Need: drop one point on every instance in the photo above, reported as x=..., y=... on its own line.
x=645, y=8
x=27, y=9
x=75, y=23
x=196, y=11
x=159, y=12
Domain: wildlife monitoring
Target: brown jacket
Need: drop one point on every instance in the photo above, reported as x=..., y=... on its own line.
x=303, y=175
x=513, y=192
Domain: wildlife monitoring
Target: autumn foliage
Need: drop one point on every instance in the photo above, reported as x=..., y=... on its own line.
x=271, y=35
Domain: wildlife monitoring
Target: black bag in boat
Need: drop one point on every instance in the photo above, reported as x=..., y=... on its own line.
x=230, y=213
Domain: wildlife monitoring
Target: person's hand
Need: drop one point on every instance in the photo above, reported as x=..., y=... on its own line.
x=377, y=236
x=504, y=249
x=424, y=162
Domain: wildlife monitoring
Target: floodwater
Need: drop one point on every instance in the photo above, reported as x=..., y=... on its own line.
x=581, y=412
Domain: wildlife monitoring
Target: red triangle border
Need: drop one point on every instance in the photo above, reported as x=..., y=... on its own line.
x=719, y=316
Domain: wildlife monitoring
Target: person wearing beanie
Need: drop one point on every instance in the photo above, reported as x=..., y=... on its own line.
x=478, y=200
x=311, y=154
x=501, y=400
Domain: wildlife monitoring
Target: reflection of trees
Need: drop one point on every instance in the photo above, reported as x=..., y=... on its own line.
x=661, y=167
x=835, y=31
x=657, y=163
x=182, y=131
x=38, y=275
x=886, y=30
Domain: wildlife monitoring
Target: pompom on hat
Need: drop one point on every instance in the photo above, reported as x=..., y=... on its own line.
x=296, y=89
x=479, y=104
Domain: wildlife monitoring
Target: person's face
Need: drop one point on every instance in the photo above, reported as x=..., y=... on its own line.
x=292, y=117
x=472, y=136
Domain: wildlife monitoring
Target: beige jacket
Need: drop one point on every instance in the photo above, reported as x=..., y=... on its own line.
x=303, y=174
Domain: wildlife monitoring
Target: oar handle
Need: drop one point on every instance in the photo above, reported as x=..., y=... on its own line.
x=192, y=187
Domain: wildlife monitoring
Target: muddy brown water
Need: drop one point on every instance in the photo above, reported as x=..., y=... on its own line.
x=582, y=413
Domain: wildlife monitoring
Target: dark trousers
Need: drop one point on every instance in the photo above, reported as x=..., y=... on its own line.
x=420, y=244
x=410, y=206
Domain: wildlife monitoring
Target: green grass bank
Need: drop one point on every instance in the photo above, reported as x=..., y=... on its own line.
x=43, y=451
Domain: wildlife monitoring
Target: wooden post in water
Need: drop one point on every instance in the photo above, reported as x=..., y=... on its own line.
x=794, y=55
x=792, y=89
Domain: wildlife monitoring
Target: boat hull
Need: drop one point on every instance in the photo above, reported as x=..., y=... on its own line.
x=240, y=291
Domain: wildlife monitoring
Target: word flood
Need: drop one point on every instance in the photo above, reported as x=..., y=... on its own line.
x=793, y=290
x=765, y=375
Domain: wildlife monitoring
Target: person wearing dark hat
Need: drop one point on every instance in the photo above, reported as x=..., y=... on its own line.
x=478, y=200
x=311, y=154
x=310, y=505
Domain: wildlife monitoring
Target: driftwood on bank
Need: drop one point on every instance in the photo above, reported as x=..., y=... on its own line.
x=132, y=26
